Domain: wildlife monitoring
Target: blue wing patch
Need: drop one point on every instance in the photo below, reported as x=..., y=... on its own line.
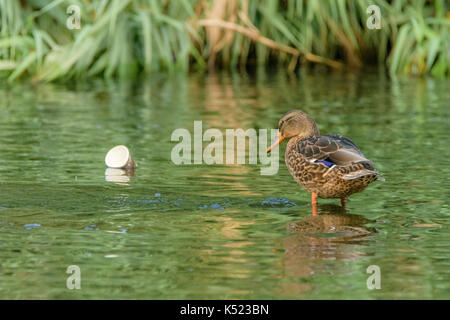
x=326, y=162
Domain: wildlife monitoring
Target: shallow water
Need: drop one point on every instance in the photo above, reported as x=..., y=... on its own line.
x=220, y=231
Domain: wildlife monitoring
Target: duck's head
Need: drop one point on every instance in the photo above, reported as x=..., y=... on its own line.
x=295, y=123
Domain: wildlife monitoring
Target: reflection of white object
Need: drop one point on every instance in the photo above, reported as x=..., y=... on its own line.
x=117, y=157
x=116, y=175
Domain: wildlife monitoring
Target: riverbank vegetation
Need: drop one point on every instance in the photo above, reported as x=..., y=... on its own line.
x=127, y=37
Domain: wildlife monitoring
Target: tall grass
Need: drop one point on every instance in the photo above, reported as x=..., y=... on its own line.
x=124, y=37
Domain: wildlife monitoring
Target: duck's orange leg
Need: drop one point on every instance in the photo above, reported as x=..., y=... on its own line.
x=343, y=202
x=314, y=203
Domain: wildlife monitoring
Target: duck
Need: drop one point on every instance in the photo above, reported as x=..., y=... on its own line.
x=327, y=166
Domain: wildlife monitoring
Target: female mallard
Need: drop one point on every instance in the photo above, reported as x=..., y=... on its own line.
x=328, y=166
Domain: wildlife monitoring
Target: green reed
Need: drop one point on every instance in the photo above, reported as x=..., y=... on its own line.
x=121, y=38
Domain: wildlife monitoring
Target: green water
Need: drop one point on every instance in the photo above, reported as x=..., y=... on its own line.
x=220, y=231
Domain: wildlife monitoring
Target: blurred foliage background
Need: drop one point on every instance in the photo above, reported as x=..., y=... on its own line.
x=122, y=38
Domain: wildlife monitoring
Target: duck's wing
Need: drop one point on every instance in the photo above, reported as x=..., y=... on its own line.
x=335, y=148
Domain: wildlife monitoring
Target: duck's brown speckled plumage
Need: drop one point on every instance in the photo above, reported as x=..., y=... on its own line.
x=319, y=178
x=352, y=172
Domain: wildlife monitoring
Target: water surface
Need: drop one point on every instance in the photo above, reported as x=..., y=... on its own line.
x=220, y=231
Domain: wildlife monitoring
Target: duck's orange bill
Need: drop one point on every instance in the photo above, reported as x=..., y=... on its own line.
x=276, y=142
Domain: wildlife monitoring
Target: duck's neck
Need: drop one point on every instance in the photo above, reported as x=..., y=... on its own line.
x=310, y=130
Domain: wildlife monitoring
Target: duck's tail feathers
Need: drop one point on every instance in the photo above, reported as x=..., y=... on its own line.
x=362, y=173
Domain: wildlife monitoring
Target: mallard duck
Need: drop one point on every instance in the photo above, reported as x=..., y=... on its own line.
x=329, y=166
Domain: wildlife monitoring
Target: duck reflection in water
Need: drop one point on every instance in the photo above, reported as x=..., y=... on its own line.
x=332, y=235
x=333, y=220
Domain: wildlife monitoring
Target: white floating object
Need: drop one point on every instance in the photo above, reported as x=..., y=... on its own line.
x=119, y=157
